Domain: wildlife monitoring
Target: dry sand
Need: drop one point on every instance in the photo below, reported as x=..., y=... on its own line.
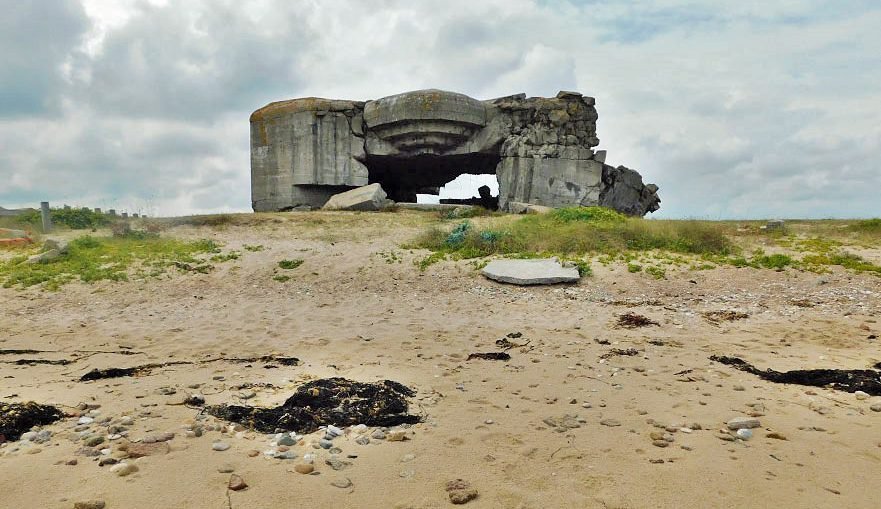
x=349, y=312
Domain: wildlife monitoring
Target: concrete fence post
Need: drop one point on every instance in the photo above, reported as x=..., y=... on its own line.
x=46, y=215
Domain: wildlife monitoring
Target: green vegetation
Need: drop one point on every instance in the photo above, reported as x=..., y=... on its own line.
x=225, y=257
x=281, y=278
x=634, y=268
x=867, y=226
x=656, y=272
x=577, y=231
x=92, y=259
x=290, y=264
x=73, y=218
x=258, y=247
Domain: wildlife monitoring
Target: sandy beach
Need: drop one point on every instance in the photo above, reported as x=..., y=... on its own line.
x=566, y=422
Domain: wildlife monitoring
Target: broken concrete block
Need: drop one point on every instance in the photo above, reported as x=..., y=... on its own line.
x=545, y=271
x=370, y=197
x=516, y=207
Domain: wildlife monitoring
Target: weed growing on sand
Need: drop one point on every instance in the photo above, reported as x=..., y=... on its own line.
x=253, y=249
x=290, y=264
x=577, y=231
x=92, y=259
x=656, y=272
x=281, y=278
x=225, y=257
x=634, y=268
x=390, y=257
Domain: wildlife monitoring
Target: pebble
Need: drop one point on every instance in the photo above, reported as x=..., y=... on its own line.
x=236, y=483
x=397, y=435
x=325, y=444
x=875, y=407
x=744, y=434
x=343, y=483
x=253, y=453
x=334, y=431
x=85, y=420
x=336, y=463
x=743, y=423
x=610, y=422
x=124, y=469
x=287, y=455
x=286, y=440
x=660, y=443
x=226, y=469
x=378, y=435
x=304, y=468
x=776, y=435
x=362, y=440
x=90, y=504
x=861, y=395
x=220, y=446
x=93, y=440
x=460, y=491
x=407, y=458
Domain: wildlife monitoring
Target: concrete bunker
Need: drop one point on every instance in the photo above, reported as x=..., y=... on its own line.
x=541, y=150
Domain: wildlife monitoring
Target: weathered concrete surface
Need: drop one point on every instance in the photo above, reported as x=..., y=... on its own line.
x=541, y=149
x=546, y=271
x=370, y=197
x=516, y=207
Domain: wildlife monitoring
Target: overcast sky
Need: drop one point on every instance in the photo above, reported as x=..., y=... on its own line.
x=736, y=109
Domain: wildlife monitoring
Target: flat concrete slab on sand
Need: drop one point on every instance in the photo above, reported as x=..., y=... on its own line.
x=544, y=271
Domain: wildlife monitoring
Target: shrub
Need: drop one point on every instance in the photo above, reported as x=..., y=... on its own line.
x=290, y=264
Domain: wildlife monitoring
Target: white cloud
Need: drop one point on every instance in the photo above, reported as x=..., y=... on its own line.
x=735, y=109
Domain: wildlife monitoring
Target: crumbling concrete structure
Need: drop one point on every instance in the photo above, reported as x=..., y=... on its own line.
x=303, y=151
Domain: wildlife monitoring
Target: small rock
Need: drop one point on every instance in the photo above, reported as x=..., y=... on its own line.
x=776, y=435
x=236, y=483
x=286, y=440
x=861, y=395
x=744, y=434
x=875, y=407
x=124, y=469
x=660, y=443
x=378, y=435
x=343, y=483
x=220, y=446
x=610, y=422
x=85, y=420
x=739, y=388
x=334, y=431
x=94, y=440
x=253, y=453
x=460, y=491
x=362, y=440
x=397, y=435
x=226, y=469
x=743, y=423
x=304, y=468
x=325, y=443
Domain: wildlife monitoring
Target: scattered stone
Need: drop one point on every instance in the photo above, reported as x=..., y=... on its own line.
x=369, y=197
x=460, y=491
x=861, y=396
x=660, y=443
x=397, y=435
x=530, y=272
x=875, y=407
x=220, y=446
x=744, y=434
x=226, y=469
x=124, y=469
x=362, y=440
x=336, y=464
x=378, y=435
x=286, y=440
x=610, y=422
x=776, y=435
x=236, y=483
x=93, y=440
x=743, y=423
x=304, y=468
x=343, y=482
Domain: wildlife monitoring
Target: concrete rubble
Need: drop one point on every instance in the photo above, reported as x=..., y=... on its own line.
x=545, y=271
x=304, y=151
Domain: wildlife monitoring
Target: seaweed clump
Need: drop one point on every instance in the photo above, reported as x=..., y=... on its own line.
x=849, y=380
x=17, y=418
x=336, y=401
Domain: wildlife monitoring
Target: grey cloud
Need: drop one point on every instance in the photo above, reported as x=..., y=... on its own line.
x=36, y=40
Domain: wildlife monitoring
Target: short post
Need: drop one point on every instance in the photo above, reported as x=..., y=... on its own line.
x=125, y=215
x=46, y=215
x=97, y=210
x=111, y=212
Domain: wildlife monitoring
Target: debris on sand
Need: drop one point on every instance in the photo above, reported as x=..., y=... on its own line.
x=101, y=374
x=17, y=418
x=633, y=321
x=615, y=352
x=336, y=401
x=145, y=369
x=506, y=344
x=724, y=316
x=460, y=491
x=490, y=356
x=849, y=380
